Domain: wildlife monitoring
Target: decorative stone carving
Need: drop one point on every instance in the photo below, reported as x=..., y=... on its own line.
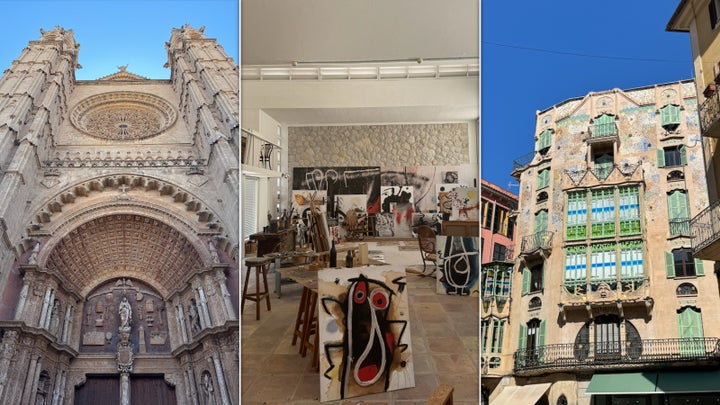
x=125, y=312
x=208, y=390
x=194, y=317
x=123, y=115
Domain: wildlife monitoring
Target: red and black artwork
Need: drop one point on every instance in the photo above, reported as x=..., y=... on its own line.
x=364, y=333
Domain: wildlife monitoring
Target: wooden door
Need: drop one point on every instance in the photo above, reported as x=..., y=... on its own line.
x=151, y=390
x=102, y=389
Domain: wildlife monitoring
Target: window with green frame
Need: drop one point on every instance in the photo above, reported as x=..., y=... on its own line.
x=680, y=263
x=670, y=117
x=604, y=125
x=629, y=210
x=531, y=338
x=575, y=265
x=672, y=156
x=496, y=281
x=602, y=213
x=543, y=179
x=631, y=260
x=690, y=330
x=493, y=332
x=678, y=212
x=544, y=140
x=603, y=262
x=576, y=215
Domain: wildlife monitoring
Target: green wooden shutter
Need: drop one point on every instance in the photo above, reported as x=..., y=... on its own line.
x=678, y=205
x=669, y=265
x=540, y=348
x=542, y=276
x=683, y=155
x=541, y=221
x=665, y=115
x=522, y=341
x=525, y=281
x=699, y=267
x=660, y=158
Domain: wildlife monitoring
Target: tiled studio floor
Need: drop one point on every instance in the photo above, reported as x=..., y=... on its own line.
x=445, y=345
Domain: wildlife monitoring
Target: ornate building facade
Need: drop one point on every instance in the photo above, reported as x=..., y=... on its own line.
x=608, y=303
x=119, y=228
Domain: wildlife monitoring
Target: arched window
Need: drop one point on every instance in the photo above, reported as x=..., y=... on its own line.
x=675, y=175
x=535, y=302
x=542, y=196
x=562, y=400
x=686, y=289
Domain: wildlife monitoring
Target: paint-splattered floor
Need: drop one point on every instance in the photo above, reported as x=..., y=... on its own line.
x=445, y=346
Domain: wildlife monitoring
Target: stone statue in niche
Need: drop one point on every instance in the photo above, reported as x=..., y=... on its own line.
x=55, y=317
x=194, y=316
x=208, y=390
x=125, y=312
x=213, y=252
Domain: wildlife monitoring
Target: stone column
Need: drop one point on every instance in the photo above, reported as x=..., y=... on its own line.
x=31, y=380
x=22, y=299
x=7, y=351
x=221, y=380
x=57, y=391
x=199, y=310
x=180, y=316
x=124, y=388
x=48, y=311
x=68, y=323
x=204, y=312
x=193, y=386
x=43, y=311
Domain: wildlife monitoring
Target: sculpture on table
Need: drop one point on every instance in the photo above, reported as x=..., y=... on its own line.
x=125, y=314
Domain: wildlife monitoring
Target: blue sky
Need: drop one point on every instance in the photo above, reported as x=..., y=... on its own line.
x=556, y=50
x=114, y=33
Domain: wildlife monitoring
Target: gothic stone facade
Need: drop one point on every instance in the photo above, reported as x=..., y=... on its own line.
x=118, y=227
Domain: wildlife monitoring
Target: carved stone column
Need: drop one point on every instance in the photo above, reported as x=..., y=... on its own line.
x=68, y=323
x=180, y=316
x=124, y=388
x=222, y=387
x=204, y=311
x=7, y=351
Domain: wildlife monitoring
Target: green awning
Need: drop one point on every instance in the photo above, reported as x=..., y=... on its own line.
x=691, y=381
x=625, y=383
x=654, y=382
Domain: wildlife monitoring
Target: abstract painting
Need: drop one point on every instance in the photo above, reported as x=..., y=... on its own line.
x=301, y=201
x=341, y=180
x=364, y=332
x=465, y=204
x=384, y=226
x=394, y=195
x=458, y=265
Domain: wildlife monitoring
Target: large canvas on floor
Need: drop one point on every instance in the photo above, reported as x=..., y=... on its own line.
x=364, y=332
x=458, y=265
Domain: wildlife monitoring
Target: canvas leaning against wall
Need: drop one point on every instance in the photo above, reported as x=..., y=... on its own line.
x=364, y=332
x=458, y=265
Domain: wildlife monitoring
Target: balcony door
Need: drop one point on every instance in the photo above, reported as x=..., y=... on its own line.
x=607, y=337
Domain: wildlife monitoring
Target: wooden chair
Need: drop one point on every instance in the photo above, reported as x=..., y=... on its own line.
x=426, y=239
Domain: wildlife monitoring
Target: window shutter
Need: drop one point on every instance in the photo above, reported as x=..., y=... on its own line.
x=522, y=341
x=541, y=219
x=542, y=276
x=660, y=158
x=541, y=334
x=683, y=155
x=713, y=14
x=525, y=281
x=699, y=267
x=249, y=205
x=669, y=265
x=665, y=115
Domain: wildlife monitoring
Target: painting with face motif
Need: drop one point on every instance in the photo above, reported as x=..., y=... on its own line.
x=364, y=332
x=458, y=265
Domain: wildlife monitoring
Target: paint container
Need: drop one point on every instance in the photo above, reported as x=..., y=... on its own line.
x=363, y=251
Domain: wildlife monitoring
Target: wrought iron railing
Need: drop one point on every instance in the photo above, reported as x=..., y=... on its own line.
x=680, y=226
x=538, y=240
x=617, y=354
x=705, y=227
x=709, y=112
x=600, y=131
x=523, y=161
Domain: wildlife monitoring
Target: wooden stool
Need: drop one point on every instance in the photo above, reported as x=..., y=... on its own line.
x=301, y=315
x=310, y=328
x=261, y=265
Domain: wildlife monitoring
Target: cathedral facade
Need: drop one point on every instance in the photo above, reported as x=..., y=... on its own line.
x=119, y=230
